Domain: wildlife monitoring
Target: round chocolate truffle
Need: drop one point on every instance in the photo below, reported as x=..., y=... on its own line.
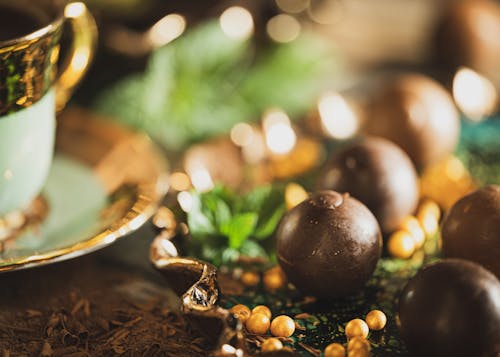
x=379, y=174
x=471, y=229
x=329, y=244
x=416, y=113
x=461, y=39
x=451, y=308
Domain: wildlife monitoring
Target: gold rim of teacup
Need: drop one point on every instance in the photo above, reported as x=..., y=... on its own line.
x=25, y=40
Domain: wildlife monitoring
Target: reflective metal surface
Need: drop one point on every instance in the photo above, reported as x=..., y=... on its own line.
x=106, y=181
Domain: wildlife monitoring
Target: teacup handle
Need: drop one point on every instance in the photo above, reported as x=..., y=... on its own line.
x=80, y=54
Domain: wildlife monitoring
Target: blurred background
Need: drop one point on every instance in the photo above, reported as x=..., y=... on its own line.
x=185, y=72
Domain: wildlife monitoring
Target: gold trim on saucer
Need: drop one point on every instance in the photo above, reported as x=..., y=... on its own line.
x=132, y=170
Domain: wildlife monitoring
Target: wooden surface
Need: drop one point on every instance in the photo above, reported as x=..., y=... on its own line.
x=115, y=284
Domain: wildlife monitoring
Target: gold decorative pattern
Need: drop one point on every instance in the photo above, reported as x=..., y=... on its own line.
x=27, y=68
x=134, y=192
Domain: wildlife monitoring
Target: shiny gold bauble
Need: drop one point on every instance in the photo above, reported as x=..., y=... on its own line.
x=241, y=312
x=401, y=245
x=271, y=344
x=356, y=327
x=274, y=279
x=262, y=309
x=258, y=324
x=283, y=326
x=376, y=320
x=334, y=350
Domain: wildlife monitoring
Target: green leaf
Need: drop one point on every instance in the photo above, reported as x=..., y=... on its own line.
x=239, y=228
x=229, y=256
x=267, y=225
x=199, y=222
x=268, y=202
x=252, y=249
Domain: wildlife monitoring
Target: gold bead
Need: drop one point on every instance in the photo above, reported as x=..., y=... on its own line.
x=294, y=194
x=359, y=352
x=376, y=320
x=401, y=245
x=358, y=342
x=274, y=279
x=431, y=208
x=356, y=327
x=250, y=278
x=262, y=309
x=334, y=350
x=257, y=324
x=412, y=226
x=428, y=215
x=283, y=326
x=271, y=344
x=241, y=312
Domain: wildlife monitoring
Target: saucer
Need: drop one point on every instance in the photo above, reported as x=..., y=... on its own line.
x=105, y=182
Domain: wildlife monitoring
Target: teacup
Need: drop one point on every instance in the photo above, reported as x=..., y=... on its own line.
x=32, y=90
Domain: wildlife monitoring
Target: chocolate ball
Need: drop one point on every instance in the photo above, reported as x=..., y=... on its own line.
x=379, y=174
x=451, y=308
x=416, y=113
x=471, y=229
x=469, y=35
x=329, y=244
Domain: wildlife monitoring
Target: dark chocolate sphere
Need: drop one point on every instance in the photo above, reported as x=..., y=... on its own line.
x=471, y=229
x=451, y=308
x=469, y=35
x=416, y=113
x=379, y=174
x=329, y=244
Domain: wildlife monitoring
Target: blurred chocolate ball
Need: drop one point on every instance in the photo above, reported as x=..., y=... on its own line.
x=416, y=113
x=451, y=308
x=471, y=228
x=379, y=174
x=469, y=35
x=329, y=244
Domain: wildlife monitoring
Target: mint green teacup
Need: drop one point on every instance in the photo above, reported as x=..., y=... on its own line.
x=31, y=91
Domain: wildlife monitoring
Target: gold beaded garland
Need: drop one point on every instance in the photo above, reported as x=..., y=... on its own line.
x=401, y=245
x=241, y=312
x=334, y=350
x=262, y=309
x=271, y=344
x=257, y=324
x=274, y=279
x=250, y=278
x=413, y=227
x=358, y=342
x=282, y=326
x=376, y=320
x=356, y=327
x=359, y=352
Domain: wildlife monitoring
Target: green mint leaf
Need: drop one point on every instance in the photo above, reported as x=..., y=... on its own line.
x=252, y=249
x=229, y=256
x=215, y=208
x=198, y=221
x=239, y=228
x=267, y=225
x=268, y=202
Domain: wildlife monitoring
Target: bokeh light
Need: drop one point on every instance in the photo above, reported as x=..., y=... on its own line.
x=337, y=117
x=280, y=136
x=166, y=29
x=292, y=6
x=242, y=134
x=179, y=181
x=185, y=201
x=237, y=22
x=474, y=94
x=283, y=28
